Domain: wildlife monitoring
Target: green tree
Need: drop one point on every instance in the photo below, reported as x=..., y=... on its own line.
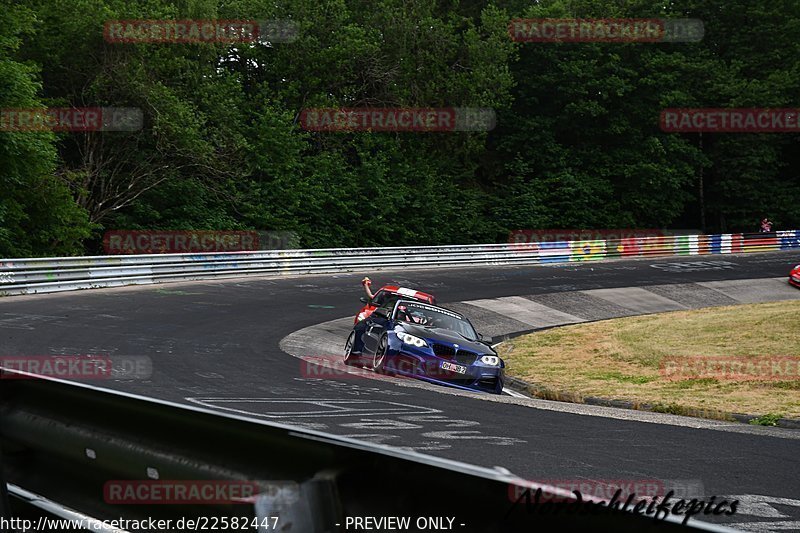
x=37, y=215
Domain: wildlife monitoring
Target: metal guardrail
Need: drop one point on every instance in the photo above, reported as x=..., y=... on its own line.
x=65, y=441
x=5, y=508
x=34, y=275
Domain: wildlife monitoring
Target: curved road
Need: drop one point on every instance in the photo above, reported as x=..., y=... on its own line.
x=217, y=343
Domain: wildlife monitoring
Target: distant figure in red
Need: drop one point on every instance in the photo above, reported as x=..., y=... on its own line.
x=766, y=226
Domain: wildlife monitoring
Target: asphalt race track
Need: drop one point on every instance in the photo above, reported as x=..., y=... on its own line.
x=217, y=344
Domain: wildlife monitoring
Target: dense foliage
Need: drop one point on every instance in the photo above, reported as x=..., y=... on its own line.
x=577, y=142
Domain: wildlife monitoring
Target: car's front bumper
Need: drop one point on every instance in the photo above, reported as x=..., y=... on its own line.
x=413, y=362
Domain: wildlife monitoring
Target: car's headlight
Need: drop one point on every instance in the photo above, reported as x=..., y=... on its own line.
x=407, y=338
x=491, y=360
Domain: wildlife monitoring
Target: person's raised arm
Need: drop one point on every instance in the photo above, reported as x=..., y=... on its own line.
x=366, y=282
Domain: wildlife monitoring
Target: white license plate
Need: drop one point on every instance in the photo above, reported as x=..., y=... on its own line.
x=454, y=368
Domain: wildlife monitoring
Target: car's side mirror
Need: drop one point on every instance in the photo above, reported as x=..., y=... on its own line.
x=364, y=300
x=485, y=340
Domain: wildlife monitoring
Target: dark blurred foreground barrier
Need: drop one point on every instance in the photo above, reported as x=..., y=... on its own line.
x=30, y=276
x=66, y=441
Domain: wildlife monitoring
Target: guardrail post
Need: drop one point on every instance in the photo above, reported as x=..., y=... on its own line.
x=5, y=507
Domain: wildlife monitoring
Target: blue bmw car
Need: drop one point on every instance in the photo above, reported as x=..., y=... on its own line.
x=416, y=339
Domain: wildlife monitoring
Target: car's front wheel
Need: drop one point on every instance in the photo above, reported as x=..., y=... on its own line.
x=349, y=359
x=379, y=360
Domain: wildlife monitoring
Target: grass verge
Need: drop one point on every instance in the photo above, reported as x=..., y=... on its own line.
x=636, y=358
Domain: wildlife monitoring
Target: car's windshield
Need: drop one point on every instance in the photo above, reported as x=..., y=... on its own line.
x=380, y=298
x=386, y=298
x=433, y=317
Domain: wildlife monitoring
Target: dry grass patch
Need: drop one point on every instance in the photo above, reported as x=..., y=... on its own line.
x=621, y=358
